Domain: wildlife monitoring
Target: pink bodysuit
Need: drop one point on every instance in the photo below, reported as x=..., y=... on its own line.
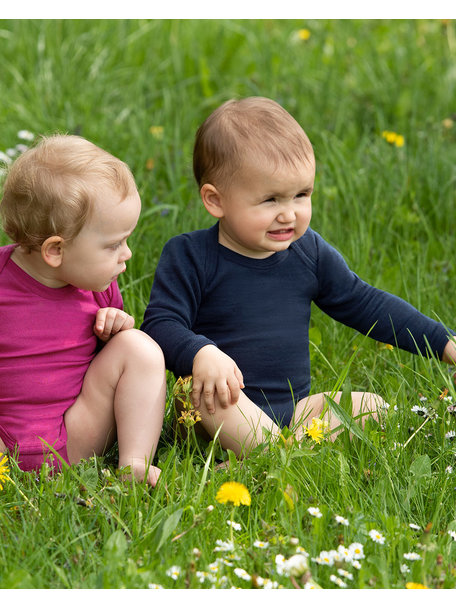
x=46, y=345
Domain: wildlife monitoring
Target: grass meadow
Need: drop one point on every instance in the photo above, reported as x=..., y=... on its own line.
x=376, y=512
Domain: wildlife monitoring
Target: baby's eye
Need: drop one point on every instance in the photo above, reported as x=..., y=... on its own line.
x=304, y=194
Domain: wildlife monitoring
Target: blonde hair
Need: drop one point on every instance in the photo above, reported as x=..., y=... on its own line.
x=49, y=189
x=253, y=126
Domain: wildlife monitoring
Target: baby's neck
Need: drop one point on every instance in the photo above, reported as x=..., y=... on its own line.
x=33, y=264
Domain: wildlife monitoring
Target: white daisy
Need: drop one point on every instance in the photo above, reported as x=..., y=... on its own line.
x=341, y=520
x=337, y=581
x=234, y=525
x=414, y=527
x=174, y=572
x=259, y=544
x=452, y=533
x=357, y=550
x=315, y=511
x=412, y=556
x=224, y=545
x=377, y=537
x=241, y=573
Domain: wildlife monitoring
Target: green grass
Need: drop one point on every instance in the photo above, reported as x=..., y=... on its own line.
x=388, y=210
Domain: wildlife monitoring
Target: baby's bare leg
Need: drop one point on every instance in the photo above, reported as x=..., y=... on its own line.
x=313, y=406
x=123, y=393
x=241, y=426
x=2, y=447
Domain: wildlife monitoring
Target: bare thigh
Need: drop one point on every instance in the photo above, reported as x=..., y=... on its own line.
x=2, y=446
x=91, y=420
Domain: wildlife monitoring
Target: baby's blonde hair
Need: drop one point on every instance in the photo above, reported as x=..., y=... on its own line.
x=50, y=188
x=251, y=127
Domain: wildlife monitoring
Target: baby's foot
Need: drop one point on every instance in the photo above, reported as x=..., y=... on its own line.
x=141, y=472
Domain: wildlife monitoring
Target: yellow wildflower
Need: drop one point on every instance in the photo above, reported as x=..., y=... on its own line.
x=303, y=34
x=234, y=492
x=317, y=429
x=4, y=469
x=415, y=586
x=393, y=138
x=156, y=132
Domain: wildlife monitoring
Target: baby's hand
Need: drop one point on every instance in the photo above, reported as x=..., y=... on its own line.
x=215, y=374
x=110, y=321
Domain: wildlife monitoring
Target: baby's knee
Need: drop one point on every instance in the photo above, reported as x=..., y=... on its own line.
x=135, y=346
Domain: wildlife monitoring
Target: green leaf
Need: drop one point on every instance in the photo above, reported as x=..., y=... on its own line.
x=421, y=466
x=116, y=546
x=348, y=421
x=167, y=528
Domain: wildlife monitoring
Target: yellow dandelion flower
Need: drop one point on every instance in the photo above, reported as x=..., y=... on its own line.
x=304, y=34
x=156, y=132
x=317, y=429
x=415, y=586
x=4, y=469
x=393, y=138
x=234, y=492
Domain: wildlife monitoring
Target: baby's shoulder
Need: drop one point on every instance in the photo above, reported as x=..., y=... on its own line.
x=5, y=254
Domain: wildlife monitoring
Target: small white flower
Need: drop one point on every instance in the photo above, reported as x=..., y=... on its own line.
x=223, y=545
x=154, y=586
x=21, y=148
x=344, y=554
x=345, y=573
x=337, y=581
x=11, y=152
x=414, y=527
x=341, y=520
x=214, y=567
x=27, y=135
x=210, y=508
x=294, y=540
x=404, y=569
x=355, y=563
x=449, y=469
x=241, y=573
x=357, y=550
x=412, y=556
x=302, y=551
x=326, y=558
x=4, y=158
x=315, y=511
x=174, y=572
x=452, y=533
x=234, y=525
x=259, y=544
x=377, y=537
x=450, y=435
x=279, y=562
x=296, y=565
x=421, y=410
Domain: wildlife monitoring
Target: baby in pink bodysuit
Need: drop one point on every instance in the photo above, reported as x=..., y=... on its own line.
x=69, y=208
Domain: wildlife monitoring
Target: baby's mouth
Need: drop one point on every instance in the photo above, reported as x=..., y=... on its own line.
x=282, y=234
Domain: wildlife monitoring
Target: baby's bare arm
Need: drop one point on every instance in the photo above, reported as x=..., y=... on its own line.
x=109, y=321
x=215, y=374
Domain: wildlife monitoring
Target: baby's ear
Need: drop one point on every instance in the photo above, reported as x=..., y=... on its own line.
x=212, y=200
x=52, y=251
